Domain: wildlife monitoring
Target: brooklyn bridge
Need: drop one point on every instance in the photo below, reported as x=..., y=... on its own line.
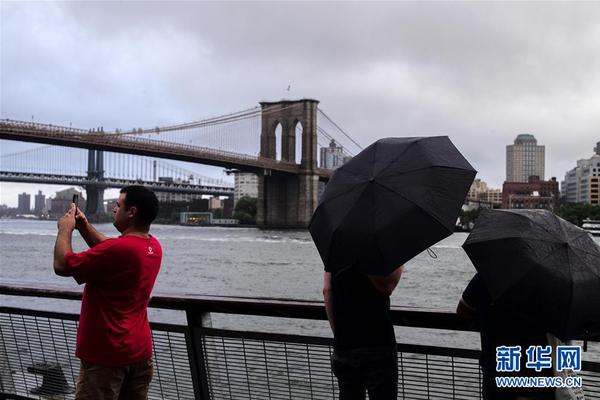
x=278, y=141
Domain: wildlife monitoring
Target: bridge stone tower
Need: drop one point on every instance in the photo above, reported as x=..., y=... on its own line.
x=95, y=193
x=288, y=200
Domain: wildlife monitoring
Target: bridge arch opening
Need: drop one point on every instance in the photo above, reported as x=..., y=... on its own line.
x=298, y=129
x=278, y=141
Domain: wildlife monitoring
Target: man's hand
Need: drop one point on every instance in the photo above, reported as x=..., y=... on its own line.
x=91, y=236
x=67, y=222
x=81, y=222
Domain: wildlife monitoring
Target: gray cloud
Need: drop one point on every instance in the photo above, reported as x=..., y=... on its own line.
x=479, y=72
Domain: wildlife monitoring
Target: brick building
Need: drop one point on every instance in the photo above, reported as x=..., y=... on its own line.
x=535, y=193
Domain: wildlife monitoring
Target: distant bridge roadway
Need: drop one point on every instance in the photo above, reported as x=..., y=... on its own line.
x=55, y=179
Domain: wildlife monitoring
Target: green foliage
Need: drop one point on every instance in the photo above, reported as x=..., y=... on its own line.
x=468, y=216
x=217, y=213
x=577, y=212
x=245, y=210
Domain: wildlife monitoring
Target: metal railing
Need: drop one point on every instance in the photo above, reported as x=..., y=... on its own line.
x=196, y=361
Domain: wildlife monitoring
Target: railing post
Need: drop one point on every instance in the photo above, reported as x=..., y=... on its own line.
x=196, y=320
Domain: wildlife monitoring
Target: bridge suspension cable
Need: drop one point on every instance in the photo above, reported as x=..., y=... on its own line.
x=46, y=159
x=321, y=112
x=228, y=118
x=222, y=119
x=334, y=133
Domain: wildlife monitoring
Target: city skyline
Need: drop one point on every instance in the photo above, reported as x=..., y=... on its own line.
x=480, y=73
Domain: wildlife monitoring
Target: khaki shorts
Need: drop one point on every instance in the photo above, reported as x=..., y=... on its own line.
x=114, y=383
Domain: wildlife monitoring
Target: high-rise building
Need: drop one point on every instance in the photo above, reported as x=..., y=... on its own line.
x=39, y=203
x=246, y=185
x=333, y=156
x=582, y=183
x=24, y=203
x=48, y=205
x=524, y=158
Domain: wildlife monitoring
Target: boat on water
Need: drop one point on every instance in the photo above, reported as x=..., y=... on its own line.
x=592, y=226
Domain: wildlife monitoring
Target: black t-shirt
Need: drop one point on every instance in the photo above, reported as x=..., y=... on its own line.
x=501, y=327
x=361, y=315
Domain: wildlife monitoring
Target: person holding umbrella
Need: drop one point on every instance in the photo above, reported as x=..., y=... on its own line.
x=536, y=273
x=501, y=327
x=386, y=205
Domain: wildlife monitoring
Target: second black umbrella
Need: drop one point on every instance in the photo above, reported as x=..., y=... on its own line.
x=389, y=203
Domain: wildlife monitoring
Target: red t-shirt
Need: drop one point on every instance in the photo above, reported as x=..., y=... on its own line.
x=119, y=275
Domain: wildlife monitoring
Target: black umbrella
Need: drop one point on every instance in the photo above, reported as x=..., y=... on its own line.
x=541, y=267
x=389, y=203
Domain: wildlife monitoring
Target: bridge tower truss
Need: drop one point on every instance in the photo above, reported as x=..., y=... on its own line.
x=288, y=200
x=95, y=173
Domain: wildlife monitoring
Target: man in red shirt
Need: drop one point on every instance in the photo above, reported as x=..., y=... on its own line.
x=114, y=340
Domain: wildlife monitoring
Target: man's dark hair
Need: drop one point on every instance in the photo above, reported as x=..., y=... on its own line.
x=144, y=200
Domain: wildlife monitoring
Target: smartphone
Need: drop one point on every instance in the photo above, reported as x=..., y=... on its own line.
x=75, y=201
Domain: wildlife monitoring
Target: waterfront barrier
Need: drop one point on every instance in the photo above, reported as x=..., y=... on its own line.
x=194, y=360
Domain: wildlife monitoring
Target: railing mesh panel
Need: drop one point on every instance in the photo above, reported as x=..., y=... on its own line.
x=240, y=368
x=424, y=376
x=591, y=384
x=30, y=344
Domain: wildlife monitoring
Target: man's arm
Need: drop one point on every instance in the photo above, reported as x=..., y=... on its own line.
x=66, y=225
x=91, y=236
x=327, y=298
x=385, y=285
x=472, y=298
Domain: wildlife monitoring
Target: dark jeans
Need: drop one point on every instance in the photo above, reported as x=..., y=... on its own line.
x=367, y=369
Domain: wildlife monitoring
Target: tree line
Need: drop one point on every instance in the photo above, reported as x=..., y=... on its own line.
x=575, y=213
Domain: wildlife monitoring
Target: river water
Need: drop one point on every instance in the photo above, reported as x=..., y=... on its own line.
x=243, y=262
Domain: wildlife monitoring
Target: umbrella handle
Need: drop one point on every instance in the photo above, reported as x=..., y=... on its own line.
x=431, y=253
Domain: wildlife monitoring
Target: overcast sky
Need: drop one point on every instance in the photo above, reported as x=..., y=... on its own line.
x=481, y=73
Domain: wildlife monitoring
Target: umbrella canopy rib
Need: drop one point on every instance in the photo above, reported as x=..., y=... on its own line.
x=515, y=237
x=595, y=272
x=341, y=194
x=392, y=161
x=342, y=220
x=412, y=202
x=545, y=228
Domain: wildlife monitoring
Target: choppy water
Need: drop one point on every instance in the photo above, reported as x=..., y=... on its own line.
x=243, y=262
x=238, y=262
